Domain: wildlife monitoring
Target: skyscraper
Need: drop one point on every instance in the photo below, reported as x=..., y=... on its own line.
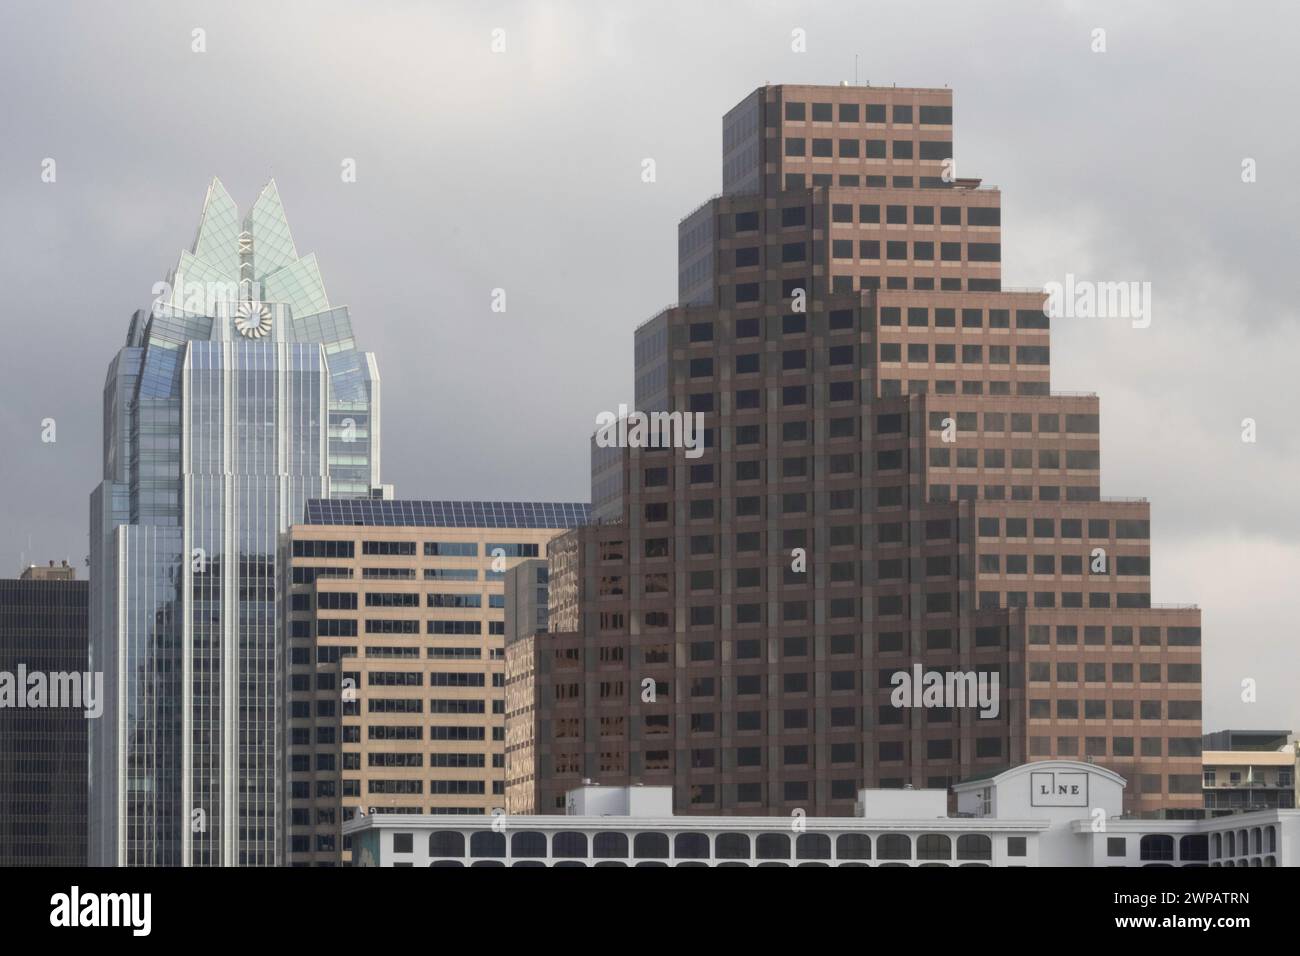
x=888, y=486
x=43, y=748
x=237, y=396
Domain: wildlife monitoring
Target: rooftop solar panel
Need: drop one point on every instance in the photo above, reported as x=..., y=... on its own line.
x=448, y=514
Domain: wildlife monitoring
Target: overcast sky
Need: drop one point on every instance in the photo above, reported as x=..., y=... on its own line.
x=521, y=170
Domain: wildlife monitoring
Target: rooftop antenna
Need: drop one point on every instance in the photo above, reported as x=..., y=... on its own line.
x=855, y=69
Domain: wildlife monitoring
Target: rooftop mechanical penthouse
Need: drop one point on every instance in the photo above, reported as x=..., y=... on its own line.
x=887, y=480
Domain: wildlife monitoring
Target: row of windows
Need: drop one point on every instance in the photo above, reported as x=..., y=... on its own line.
x=699, y=846
x=945, y=354
x=801, y=682
x=941, y=638
x=1067, y=672
x=1069, y=600
x=899, y=569
x=792, y=217
x=457, y=549
x=1041, y=709
x=890, y=316
x=897, y=215
x=819, y=147
x=846, y=718
x=1022, y=459
x=838, y=536
x=845, y=499
x=436, y=787
x=934, y=602
x=797, y=112
x=750, y=293
x=795, y=181
x=895, y=250
x=331, y=627
x=1045, y=565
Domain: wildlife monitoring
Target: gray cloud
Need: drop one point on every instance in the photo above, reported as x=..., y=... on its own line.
x=520, y=170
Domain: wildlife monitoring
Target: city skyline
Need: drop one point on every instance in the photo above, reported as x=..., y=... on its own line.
x=1225, y=539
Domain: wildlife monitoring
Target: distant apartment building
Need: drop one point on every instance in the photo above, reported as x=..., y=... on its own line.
x=395, y=690
x=886, y=482
x=43, y=785
x=1247, y=770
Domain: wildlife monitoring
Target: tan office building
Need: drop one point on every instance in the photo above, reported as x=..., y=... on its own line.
x=393, y=669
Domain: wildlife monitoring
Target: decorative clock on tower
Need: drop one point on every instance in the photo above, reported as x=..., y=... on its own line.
x=253, y=319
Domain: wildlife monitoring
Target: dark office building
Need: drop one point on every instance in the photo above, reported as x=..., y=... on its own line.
x=887, y=485
x=43, y=630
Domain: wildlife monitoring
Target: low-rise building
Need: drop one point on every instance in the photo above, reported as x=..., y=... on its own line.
x=1245, y=770
x=1045, y=813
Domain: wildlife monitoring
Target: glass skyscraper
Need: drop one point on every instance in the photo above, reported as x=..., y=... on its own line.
x=239, y=395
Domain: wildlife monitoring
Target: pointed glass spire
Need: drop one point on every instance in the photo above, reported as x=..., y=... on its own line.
x=254, y=256
x=216, y=243
x=273, y=246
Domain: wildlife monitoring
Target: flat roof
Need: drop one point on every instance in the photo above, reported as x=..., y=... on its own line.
x=421, y=821
x=1243, y=758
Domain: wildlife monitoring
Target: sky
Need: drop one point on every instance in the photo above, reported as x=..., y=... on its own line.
x=520, y=170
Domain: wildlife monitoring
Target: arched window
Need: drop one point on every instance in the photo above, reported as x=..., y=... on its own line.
x=1230, y=838
x=606, y=845
x=487, y=843
x=732, y=846
x=853, y=846
x=813, y=846
x=528, y=843
x=933, y=846
x=1216, y=842
x=1257, y=840
x=1195, y=848
x=894, y=846
x=1272, y=839
x=446, y=843
x=772, y=846
x=691, y=846
x=974, y=846
x=569, y=845
x=1156, y=847
x=654, y=846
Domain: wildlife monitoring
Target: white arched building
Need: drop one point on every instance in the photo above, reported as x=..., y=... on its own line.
x=1047, y=813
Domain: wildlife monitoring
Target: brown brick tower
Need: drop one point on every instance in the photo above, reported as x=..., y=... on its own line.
x=879, y=406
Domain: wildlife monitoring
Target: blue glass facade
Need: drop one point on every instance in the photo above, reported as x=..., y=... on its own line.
x=238, y=396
